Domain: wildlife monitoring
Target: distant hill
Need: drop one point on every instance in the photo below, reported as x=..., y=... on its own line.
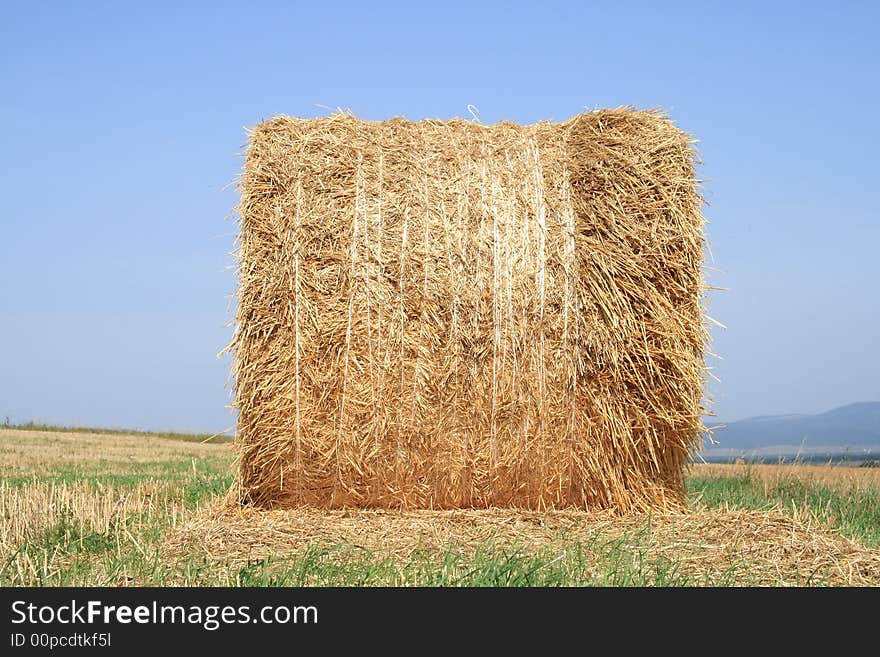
x=852, y=425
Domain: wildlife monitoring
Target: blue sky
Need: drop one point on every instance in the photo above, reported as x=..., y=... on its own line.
x=123, y=122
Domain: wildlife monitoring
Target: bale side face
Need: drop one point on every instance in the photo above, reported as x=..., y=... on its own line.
x=443, y=314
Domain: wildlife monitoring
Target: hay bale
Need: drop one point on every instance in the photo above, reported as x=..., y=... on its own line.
x=442, y=314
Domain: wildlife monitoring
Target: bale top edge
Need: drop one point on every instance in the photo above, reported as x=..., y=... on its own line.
x=652, y=115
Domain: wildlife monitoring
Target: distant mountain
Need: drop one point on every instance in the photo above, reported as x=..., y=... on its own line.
x=852, y=425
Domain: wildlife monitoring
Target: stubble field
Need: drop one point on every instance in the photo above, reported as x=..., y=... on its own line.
x=92, y=509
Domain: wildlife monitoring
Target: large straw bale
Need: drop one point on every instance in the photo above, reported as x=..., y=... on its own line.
x=444, y=314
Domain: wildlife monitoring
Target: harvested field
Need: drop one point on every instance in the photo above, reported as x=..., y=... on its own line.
x=31, y=510
x=102, y=519
x=827, y=475
x=24, y=451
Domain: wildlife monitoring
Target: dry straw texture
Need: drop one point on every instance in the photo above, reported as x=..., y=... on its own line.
x=443, y=314
x=713, y=547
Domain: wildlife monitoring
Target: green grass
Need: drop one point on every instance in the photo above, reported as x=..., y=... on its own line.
x=72, y=537
x=503, y=566
x=854, y=511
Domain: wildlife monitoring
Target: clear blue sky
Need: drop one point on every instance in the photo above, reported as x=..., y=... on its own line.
x=122, y=123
